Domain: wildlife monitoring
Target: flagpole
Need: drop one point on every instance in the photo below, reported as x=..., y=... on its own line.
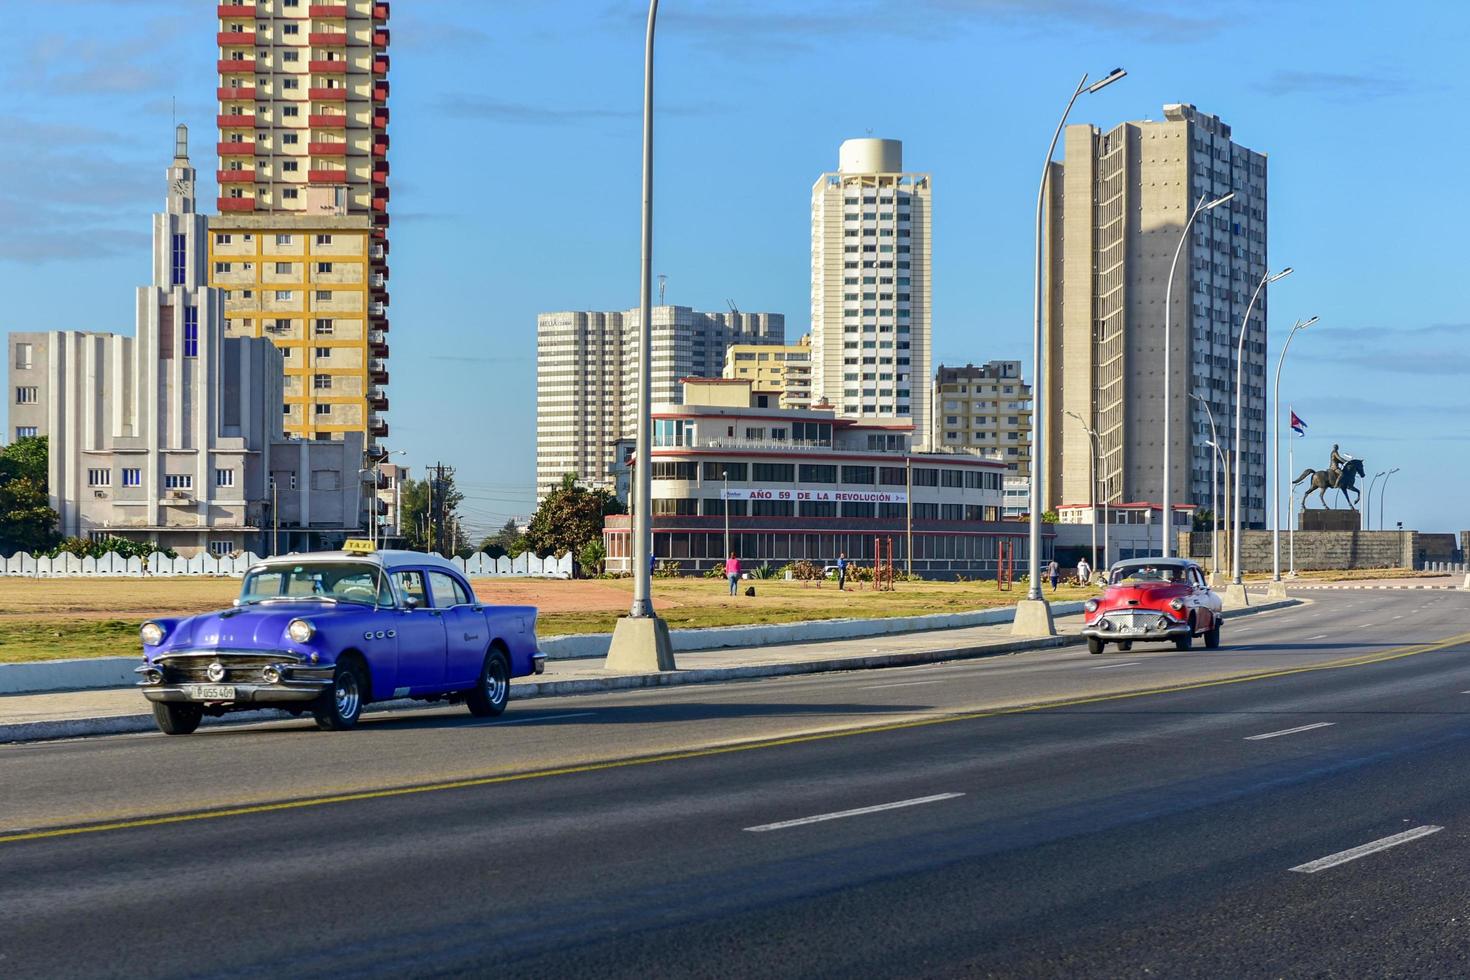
x=1291, y=512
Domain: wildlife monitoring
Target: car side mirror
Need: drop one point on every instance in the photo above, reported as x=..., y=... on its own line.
x=409, y=602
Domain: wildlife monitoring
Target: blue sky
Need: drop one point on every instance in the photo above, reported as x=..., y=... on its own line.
x=515, y=182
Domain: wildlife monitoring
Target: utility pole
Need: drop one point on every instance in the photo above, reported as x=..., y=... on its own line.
x=275, y=519
x=908, y=544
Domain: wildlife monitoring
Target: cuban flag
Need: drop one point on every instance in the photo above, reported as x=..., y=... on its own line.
x=1297, y=425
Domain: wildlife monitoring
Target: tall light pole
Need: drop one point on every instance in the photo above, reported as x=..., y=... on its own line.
x=1368, y=503
x=641, y=640
x=1382, y=494
x=1038, y=385
x=1276, y=451
x=1092, y=481
x=725, y=476
x=1199, y=208
x=377, y=463
x=1267, y=278
x=1214, y=478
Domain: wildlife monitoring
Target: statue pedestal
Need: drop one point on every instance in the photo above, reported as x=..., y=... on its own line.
x=1330, y=520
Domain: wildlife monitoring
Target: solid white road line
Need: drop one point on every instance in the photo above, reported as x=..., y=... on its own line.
x=1364, y=625
x=1363, y=850
x=1131, y=663
x=819, y=818
x=1290, y=731
x=527, y=721
x=1319, y=636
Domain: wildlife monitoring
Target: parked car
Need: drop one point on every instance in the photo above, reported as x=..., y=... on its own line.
x=330, y=632
x=1153, y=600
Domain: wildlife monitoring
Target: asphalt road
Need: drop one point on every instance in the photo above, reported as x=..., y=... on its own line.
x=672, y=832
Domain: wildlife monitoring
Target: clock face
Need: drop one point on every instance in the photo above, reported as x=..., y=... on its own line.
x=180, y=187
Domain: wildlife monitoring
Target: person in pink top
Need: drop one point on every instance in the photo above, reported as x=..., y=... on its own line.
x=732, y=571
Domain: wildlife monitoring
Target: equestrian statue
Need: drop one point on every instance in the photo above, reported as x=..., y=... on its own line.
x=1343, y=473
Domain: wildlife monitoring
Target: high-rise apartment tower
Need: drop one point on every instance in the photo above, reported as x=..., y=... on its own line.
x=301, y=241
x=1118, y=204
x=587, y=378
x=871, y=299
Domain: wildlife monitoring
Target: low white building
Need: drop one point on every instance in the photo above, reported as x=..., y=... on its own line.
x=804, y=484
x=174, y=435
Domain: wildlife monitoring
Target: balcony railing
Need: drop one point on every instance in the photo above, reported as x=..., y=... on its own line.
x=381, y=90
x=235, y=94
x=334, y=67
x=378, y=429
x=236, y=176
x=236, y=10
x=780, y=445
x=381, y=37
x=380, y=64
x=237, y=204
x=327, y=149
x=235, y=120
x=241, y=149
x=231, y=39
x=328, y=38
x=324, y=120
x=377, y=309
x=378, y=350
x=380, y=118
x=380, y=11
x=237, y=66
x=327, y=10
x=324, y=94
x=326, y=176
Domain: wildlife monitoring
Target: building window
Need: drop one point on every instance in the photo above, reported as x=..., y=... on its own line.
x=723, y=471
x=323, y=352
x=289, y=193
x=99, y=478
x=191, y=331
x=926, y=477
x=283, y=240
x=23, y=357
x=25, y=431
x=27, y=395
x=323, y=295
x=178, y=481
x=819, y=473
x=772, y=473
x=664, y=470
x=859, y=476
x=891, y=476
x=283, y=295
x=818, y=508
x=132, y=477
x=221, y=268
x=224, y=478
x=324, y=239
x=180, y=258
x=321, y=382
x=221, y=549
x=323, y=327
x=323, y=410
x=952, y=478
x=283, y=268
x=324, y=267
x=772, y=508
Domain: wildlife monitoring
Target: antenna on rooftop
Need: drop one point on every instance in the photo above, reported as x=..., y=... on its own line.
x=733, y=308
x=663, y=284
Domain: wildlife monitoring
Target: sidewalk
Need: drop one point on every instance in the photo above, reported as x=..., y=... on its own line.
x=114, y=711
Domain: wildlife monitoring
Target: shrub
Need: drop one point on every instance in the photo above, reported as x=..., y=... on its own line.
x=805, y=571
x=667, y=569
x=87, y=548
x=763, y=571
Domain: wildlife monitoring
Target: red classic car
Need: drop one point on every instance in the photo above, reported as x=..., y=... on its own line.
x=1153, y=599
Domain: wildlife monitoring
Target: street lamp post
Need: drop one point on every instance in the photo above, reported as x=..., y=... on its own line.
x=1276, y=451
x=1267, y=278
x=1043, y=623
x=1382, y=494
x=376, y=476
x=725, y=476
x=1214, y=479
x=1092, y=481
x=1368, y=502
x=641, y=639
x=1202, y=206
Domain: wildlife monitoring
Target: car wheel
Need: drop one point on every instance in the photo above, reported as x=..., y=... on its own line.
x=490, y=693
x=1184, y=642
x=1125, y=646
x=177, y=719
x=342, y=705
x=1094, y=645
x=1212, y=636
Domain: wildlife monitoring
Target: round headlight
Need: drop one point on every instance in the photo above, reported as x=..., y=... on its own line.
x=271, y=674
x=1090, y=605
x=152, y=634
x=1176, y=604
x=1163, y=622
x=299, y=630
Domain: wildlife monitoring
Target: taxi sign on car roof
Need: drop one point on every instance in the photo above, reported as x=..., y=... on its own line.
x=358, y=546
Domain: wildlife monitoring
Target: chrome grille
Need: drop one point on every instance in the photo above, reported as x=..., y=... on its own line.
x=1134, y=619
x=240, y=668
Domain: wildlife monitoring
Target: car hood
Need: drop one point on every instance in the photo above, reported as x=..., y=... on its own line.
x=261, y=627
x=1145, y=594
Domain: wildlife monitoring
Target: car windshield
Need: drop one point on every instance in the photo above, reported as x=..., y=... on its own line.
x=1133, y=574
x=323, y=581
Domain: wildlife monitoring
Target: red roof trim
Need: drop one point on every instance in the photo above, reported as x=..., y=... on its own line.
x=895, y=460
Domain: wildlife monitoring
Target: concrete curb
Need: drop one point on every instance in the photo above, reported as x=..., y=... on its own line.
x=127, y=724
x=1366, y=588
x=85, y=673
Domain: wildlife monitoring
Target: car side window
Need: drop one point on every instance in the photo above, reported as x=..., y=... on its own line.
x=410, y=584
x=447, y=591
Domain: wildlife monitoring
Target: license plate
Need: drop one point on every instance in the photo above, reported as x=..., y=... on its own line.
x=209, y=692
x=1133, y=630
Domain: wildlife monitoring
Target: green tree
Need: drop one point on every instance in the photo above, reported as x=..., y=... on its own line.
x=1204, y=520
x=27, y=522
x=569, y=517
x=591, y=556
x=498, y=545
x=1050, y=517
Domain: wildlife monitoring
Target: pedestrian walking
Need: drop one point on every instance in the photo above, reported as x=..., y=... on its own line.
x=1084, y=570
x=841, y=570
x=1052, y=572
x=732, y=571
x=652, y=563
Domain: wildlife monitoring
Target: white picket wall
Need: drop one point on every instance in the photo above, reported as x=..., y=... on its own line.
x=478, y=565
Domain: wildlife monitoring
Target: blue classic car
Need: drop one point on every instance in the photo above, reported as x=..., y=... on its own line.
x=329, y=632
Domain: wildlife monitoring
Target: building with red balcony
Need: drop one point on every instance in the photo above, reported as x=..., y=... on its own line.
x=337, y=198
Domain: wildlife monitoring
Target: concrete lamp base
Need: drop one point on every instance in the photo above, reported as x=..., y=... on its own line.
x=1276, y=590
x=1466, y=583
x=1033, y=618
x=1218, y=580
x=1235, y=597
x=640, y=645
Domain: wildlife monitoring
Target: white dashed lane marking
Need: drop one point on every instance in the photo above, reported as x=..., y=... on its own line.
x=860, y=811
x=1363, y=850
x=1290, y=731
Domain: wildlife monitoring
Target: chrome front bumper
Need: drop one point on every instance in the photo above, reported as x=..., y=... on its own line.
x=538, y=663
x=1107, y=627
x=286, y=692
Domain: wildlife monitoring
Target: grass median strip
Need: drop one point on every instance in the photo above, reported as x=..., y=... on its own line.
x=72, y=830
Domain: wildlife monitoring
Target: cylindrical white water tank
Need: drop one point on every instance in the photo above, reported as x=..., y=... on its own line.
x=870, y=156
